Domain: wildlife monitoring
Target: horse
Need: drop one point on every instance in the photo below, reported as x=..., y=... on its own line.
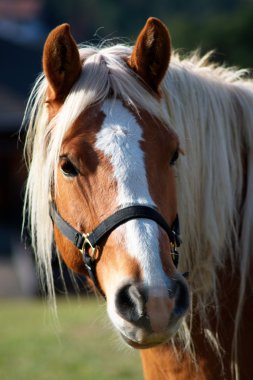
x=122, y=143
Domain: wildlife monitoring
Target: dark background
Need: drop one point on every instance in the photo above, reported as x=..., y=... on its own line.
x=225, y=26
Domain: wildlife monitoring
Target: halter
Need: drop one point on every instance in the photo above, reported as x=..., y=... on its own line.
x=88, y=244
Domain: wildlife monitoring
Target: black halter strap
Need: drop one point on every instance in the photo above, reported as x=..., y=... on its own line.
x=88, y=244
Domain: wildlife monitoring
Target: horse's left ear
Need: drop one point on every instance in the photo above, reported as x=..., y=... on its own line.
x=61, y=62
x=151, y=54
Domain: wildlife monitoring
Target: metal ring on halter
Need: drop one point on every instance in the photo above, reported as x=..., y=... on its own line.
x=86, y=242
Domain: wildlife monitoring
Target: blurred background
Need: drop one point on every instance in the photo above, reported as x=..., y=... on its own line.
x=223, y=25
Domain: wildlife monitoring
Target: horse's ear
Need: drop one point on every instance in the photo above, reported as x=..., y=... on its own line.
x=61, y=62
x=151, y=53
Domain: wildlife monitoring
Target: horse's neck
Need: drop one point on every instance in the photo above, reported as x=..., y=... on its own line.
x=161, y=363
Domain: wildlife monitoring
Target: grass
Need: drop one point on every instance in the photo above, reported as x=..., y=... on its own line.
x=84, y=348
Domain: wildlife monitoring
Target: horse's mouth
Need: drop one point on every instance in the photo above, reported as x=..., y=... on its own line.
x=140, y=338
x=141, y=346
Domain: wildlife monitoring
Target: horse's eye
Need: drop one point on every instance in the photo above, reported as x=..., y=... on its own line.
x=174, y=158
x=68, y=168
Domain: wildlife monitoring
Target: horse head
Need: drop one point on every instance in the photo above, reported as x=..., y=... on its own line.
x=117, y=155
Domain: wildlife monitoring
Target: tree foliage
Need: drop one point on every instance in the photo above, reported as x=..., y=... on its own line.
x=221, y=25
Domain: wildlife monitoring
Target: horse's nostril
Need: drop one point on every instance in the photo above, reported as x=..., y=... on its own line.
x=130, y=302
x=181, y=295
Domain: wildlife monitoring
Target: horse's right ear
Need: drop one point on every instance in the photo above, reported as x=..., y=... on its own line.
x=151, y=54
x=61, y=62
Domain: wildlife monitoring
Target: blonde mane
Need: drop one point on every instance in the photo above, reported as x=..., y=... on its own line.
x=211, y=109
x=212, y=113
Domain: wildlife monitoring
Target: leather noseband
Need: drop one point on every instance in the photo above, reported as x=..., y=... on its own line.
x=88, y=244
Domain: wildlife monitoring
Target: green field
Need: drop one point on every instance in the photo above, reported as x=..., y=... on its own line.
x=83, y=347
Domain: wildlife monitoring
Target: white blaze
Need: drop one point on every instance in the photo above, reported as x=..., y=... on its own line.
x=119, y=140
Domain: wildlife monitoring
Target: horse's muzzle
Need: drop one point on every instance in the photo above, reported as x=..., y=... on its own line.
x=151, y=316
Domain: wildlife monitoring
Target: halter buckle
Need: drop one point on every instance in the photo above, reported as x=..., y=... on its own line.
x=86, y=242
x=174, y=253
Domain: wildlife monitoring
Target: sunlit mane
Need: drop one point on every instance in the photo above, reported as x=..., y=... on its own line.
x=211, y=109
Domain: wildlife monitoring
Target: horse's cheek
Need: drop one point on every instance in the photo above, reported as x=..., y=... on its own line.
x=71, y=256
